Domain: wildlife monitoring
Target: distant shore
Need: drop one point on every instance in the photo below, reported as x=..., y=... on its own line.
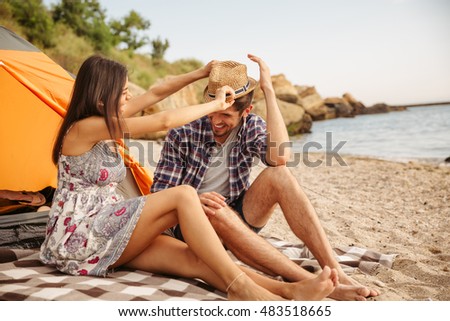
x=419, y=134
x=424, y=105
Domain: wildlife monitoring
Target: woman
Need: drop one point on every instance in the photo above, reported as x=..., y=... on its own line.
x=92, y=229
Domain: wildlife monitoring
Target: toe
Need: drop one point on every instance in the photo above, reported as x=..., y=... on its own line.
x=360, y=298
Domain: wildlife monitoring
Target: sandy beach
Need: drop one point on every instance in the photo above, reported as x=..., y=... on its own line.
x=389, y=207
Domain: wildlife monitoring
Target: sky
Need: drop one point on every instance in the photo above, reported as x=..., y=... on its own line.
x=380, y=51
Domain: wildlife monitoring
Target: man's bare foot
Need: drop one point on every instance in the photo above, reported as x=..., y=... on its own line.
x=314, y=289
x=350, y=290
x=245, y=289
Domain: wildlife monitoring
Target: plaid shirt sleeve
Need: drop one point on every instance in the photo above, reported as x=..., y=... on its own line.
x=171, y=165
x=257, y=138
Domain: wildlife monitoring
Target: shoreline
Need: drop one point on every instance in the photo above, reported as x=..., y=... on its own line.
x=387, y=206
x=424, y=105
x=418, y=135
x=153, y=154
x=437, y=161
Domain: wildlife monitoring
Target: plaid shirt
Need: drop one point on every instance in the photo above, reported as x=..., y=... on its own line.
x=186, y=155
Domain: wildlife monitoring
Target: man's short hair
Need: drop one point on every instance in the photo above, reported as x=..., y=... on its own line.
x=241, y=103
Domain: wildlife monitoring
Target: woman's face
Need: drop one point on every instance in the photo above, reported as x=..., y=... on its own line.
x=124, y=98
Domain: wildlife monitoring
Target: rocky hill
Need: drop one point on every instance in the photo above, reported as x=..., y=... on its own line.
x=299, y=105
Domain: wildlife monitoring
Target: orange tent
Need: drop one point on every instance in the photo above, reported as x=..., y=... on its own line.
x=34, y=93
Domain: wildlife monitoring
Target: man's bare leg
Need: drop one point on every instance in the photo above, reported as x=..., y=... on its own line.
x=278, y=185
x=252, y=249
x=258, y=253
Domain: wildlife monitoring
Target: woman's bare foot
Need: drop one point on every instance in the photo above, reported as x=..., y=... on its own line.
x=245, y=289
x=350, y=290
x=314, y=289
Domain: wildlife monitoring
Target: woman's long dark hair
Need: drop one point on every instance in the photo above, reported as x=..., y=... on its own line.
x=97, y=91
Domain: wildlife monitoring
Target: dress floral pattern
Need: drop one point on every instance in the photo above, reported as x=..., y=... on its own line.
x=89, y=223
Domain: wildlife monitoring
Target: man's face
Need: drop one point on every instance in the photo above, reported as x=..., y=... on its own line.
x=223, y=122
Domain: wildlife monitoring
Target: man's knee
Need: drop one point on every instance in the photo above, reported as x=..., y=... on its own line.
x=224, y=219
x=279, y=176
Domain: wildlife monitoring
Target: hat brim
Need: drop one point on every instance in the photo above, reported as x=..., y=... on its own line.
x=251, y=87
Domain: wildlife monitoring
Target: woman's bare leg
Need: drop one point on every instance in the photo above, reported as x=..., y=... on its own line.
x=167, y=255
x=314, y=289
x=182, y=205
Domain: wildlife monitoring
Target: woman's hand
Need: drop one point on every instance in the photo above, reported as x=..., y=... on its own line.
x=265, y=80
x=206, y=69
x=225, y=95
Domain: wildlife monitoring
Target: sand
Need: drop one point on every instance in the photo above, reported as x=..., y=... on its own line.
x=398, y=208
x=390, y=207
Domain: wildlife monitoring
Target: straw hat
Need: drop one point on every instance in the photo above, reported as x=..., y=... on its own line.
x=229, y=73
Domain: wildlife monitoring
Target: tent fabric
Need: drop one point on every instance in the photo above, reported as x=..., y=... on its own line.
x=25, y=138
x=48, y=81
x=10, y=41
x=34, y=94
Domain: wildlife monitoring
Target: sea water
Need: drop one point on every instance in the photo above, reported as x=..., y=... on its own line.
x=418, y=133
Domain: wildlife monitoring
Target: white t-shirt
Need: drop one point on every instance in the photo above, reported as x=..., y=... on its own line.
x=217, y=176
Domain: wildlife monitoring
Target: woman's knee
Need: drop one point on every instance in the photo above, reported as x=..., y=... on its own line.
x=185, y=195
x=186, y=191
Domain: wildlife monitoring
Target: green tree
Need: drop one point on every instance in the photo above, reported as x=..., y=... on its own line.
x=129, y=30
x=5, y=9
x=87, y=19
x=159, y=48
x=34, y=18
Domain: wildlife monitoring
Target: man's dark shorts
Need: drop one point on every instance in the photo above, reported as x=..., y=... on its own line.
x=236, y=205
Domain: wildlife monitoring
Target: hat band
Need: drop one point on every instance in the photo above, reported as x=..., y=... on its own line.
x=236, y=92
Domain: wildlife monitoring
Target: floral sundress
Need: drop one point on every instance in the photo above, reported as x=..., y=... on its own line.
x=89, y=223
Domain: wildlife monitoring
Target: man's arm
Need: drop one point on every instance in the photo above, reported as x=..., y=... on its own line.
x=278, y=147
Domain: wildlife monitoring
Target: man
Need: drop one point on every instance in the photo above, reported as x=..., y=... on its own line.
x=215, y=154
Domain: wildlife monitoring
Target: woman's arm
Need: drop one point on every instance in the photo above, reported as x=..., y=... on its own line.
x=159, y=92
x=168, y=119
x=93, y=129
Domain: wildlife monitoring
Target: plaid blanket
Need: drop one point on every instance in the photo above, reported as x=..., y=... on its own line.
x=351, y=258
x=24, y=277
